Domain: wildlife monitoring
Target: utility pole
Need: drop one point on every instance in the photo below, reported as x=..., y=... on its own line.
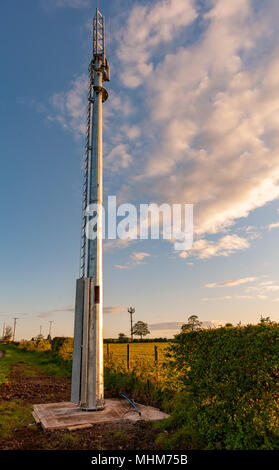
x=40, y=330
x=131, y=311
x=4, y=326
x=87, y=372
x=50, y=325
x=15, y=319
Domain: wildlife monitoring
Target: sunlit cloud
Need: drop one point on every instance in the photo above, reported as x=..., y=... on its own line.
x=272, y=226
x=224, y=96
x=213, y=140
x=232, y=283
x=52, y=312
x=114, y=309
x=224, y=246
x=137, y=258
x=209, y=299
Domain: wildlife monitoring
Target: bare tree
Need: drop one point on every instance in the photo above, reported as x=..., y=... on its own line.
x=8, y=334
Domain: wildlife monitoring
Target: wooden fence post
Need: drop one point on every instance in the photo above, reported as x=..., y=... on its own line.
x=128, y=356
x=156, y=354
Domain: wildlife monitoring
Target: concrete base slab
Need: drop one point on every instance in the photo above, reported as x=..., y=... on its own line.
x=66, y=415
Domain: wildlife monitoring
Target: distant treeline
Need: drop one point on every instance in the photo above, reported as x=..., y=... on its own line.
x=128, y=340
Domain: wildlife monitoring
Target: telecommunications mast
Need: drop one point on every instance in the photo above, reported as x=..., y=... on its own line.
x=87, y=373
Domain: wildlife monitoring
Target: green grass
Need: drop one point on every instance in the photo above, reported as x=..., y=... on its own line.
x=45, y=361
x=11, y=356
x=14, y=415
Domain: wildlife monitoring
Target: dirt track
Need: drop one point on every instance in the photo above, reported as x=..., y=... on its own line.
x=27, y=385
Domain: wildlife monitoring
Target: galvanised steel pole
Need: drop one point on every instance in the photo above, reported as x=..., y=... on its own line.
x=94, y=398
x=88, y=337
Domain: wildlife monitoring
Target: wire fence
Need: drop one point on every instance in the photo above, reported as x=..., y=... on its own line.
x=131, y=353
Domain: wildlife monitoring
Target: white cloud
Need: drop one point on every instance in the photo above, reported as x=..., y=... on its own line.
x=172, y=327
x=224, y=246
x=68, y=108
x=232, y=283
x=238, y=297
x=225, y=297
x=118, y=158
x=266, y=283
x=146, y=29
x=115, y=309
x=131, y=132
x=122, y=266
x=165, y=326
x=244, y=297
x=213, y=107
x=272, y=226
x=271, y=288
x=49, y=313
x=139, y=256
x=210, y=114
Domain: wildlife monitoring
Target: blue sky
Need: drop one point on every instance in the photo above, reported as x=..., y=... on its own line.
x=193, y=117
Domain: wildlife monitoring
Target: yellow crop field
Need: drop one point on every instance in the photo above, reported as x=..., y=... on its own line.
x=139, y=360
x=137, y=351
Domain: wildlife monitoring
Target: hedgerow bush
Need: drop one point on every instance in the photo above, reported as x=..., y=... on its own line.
x=66, y=350
x=229, y=379
x=35, y=345
x=57, y=343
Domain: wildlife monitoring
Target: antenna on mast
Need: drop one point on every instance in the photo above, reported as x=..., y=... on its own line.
x=99, y=44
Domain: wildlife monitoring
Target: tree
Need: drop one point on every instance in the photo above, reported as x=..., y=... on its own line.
x=192, y=324
x=123, y=338
x=229, y=325
x=8, y=334
x=140, y=329
x=265, y=320
x=39, y=338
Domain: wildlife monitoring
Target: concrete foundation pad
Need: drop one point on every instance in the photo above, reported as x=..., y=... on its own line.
x=66, y=415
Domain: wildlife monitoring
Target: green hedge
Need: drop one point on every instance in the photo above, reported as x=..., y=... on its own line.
x=230, y=380
x=57, y=343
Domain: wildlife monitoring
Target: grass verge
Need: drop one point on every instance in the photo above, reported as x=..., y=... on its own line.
x=14, y=415
x=45, y=361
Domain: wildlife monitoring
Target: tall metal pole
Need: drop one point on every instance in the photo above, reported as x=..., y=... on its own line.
x=15, y=319
x=131, y=311
x=87, y=372
x=50, y=325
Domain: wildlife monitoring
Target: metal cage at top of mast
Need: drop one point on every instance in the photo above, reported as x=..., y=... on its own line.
x=99, y=44
x=99, y=35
